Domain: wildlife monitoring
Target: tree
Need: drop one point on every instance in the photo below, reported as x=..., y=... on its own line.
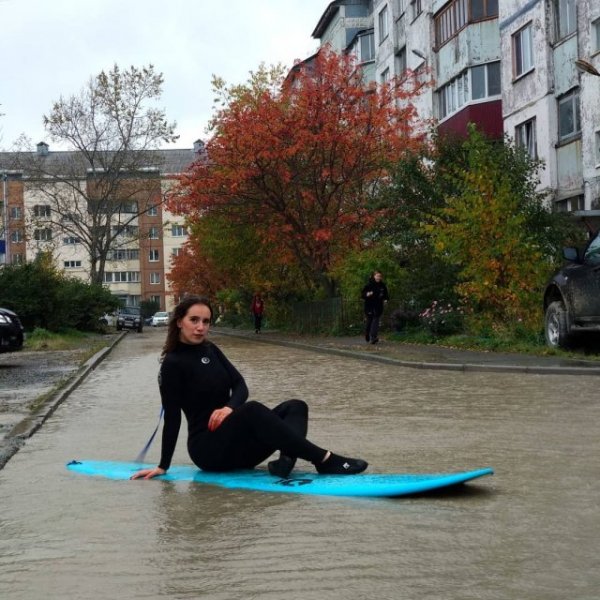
x=495, y=229
x=297, y=158
x=109, y=177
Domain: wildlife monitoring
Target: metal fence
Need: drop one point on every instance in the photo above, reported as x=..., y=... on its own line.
x=334, y=315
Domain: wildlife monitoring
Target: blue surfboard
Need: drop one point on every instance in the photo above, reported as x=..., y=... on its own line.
x=364, y=484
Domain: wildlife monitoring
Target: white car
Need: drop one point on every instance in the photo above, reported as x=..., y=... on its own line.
x=160, y=318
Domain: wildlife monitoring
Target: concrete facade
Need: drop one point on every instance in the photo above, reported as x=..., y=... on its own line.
x=137, y=267
x=508, y=66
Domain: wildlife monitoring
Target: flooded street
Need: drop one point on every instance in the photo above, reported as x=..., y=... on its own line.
x=532, y=531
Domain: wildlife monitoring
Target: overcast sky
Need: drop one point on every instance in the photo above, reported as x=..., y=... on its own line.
x=50, y=48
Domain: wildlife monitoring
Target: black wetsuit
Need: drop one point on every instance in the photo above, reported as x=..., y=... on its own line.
x=197, y=379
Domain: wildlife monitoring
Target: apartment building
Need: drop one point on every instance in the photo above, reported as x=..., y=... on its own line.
x=146, y=235
x=527, y=68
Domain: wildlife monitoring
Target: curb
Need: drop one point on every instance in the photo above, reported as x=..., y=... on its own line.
x=25, y=428
x=464, y=367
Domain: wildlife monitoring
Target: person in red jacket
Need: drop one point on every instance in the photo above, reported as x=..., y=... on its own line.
x=257, y=308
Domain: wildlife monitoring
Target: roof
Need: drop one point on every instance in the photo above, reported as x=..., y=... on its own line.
x=165, y=161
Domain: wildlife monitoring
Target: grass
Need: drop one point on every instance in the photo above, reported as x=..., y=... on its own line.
x=69, y=339
x=584, y=346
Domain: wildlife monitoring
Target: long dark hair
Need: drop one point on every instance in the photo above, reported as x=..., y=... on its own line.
x=180, y=311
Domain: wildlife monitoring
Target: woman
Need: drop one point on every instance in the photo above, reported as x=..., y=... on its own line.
x=375, y=295
x=224, y=431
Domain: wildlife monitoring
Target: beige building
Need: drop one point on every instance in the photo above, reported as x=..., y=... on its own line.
x=44, y=215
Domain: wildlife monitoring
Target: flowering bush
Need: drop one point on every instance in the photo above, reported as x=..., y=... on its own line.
x=442, y=318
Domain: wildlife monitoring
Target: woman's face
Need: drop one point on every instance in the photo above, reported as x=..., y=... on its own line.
x=195, y=325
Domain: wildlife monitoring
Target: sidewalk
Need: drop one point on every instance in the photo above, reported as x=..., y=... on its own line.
x=423, y=356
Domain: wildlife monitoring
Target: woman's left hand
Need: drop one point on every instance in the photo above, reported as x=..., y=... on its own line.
x=218, y=416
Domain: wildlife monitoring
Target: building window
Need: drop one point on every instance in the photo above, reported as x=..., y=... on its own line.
x=569, y=116
x=125, y=230
x=41, y=210
x=121, y=276
x=367, y=47
x=15, y=213
x=525, y=137
x=483, y=9
x=454, y=95
x=72, y=264
x=152, y=211
x=400, y=7
x=178, y=231
x=16, y=236
x=385, y=76
x=523, y=50
x=401, y=64
x=417, y=8
x=450, y=21
x=383, y=24
x=566, y=17
x=129, y=207
x=16, y=259
x=153, y=233
x=154, y=278
x=42, y=235
x=155, y=299
x=153, y=255
x=485, y=80
x=596, y=34
x=124, y=254
x=71, y=240
x=175, y=251
x=570, y=204
x=598, y=148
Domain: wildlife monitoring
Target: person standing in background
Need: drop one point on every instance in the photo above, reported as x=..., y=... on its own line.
x=257, y=308
x=375, y=295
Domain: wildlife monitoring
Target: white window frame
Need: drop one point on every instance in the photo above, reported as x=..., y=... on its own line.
x=366, y=40
x=417, y=8
x=153, y=255
x=72, y=264
x=178, y=230
x=42, y=235
x=572, y=99
x=401, y=61
x=383, y=21
x=152, y=211
x=176, y=251
x=565, y=12
x=526, y=137
x=522, y=44
x=153, y=233
x=42, y=211
x=16, y=236
x=596, y=31
x=597, y=138
x=15, y=213
x=154, y=278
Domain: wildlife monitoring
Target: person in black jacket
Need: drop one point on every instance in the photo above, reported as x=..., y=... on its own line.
x=224, y=431
x=375, y=295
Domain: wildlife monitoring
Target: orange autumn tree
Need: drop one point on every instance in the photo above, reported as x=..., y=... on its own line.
x=298, y=158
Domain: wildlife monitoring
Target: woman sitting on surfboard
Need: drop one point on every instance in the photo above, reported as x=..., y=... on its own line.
x=224, y=431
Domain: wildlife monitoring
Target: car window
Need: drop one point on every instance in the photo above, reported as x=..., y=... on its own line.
x=592, y=253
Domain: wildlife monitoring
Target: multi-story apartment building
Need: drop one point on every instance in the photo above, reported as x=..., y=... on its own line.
x=147, y=235
x=527, y=68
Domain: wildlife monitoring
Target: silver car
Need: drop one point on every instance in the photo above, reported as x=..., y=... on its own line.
x=160, y=318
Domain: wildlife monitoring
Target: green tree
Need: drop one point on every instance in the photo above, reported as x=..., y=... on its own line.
x=493, y=227
x=43, y=297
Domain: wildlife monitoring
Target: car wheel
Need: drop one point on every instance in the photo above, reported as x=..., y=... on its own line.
x=556, y=330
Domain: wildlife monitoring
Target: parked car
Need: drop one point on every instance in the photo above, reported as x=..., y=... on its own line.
x=572, y=296
x=160, y=318
x=11, y=331
x=130, y=318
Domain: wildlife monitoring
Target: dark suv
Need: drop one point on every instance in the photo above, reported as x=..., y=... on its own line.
x=572, y=296
x=130, y=318
x=11, y=331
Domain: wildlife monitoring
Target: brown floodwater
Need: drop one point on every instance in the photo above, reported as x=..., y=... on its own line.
x=532, y=531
